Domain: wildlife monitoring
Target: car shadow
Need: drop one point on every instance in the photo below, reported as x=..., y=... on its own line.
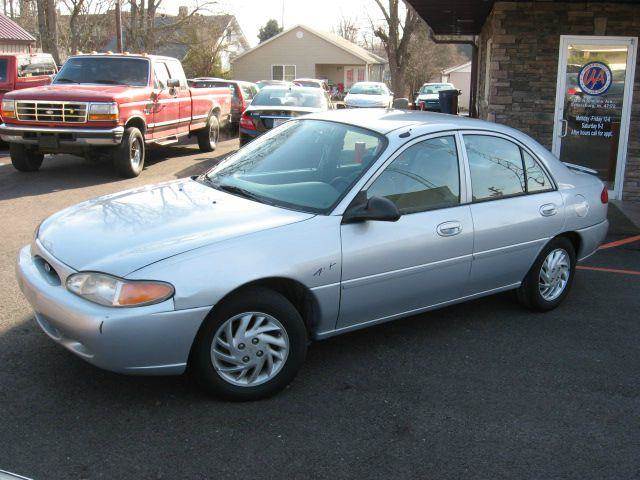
x=68, y=172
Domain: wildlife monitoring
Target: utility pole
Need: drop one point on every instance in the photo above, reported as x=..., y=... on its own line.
x=119, y=27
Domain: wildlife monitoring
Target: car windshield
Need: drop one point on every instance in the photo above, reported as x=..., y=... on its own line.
x=306, y=165
x=290, y=97
x=427, y=89
x=307, y=83
x=105, y=70
x=362, y=89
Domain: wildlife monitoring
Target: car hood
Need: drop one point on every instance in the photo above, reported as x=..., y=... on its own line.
x=360, y=99
x=428, y=96
x=123, y=232
x=73, y=92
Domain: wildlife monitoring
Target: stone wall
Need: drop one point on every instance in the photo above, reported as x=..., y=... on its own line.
x=525, y=42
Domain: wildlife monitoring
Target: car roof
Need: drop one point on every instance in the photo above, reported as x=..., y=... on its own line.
x=292, y=88
x=384, y=120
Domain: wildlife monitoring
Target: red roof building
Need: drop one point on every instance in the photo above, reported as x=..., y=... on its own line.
x=14, y=38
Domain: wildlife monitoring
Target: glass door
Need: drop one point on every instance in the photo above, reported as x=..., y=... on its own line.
x=593, y=101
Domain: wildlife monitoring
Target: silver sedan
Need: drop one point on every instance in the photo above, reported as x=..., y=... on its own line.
x=324, y=225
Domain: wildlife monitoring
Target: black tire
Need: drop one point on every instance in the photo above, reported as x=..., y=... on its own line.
x=253, y=300
x=209, y=135
x=25, y=160
x=124, y=158
x=529, y=294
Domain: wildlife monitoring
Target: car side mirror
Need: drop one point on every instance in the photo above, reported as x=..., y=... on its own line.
x=340, y=106
x=378, y=209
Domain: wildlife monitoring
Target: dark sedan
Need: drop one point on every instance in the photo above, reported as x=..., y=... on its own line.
x=274, y=105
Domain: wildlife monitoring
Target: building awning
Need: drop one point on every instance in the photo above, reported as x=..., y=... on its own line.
x=466, y=17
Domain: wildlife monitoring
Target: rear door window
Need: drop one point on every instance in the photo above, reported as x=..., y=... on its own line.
x=35, y=65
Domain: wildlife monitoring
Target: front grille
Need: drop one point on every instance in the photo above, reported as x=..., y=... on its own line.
x=65, y=112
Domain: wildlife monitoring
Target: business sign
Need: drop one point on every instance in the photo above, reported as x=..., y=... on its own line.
x=595, y=78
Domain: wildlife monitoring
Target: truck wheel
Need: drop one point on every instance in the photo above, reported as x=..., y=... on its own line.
x=25, y=160
x=208, y=136
x=128, y=157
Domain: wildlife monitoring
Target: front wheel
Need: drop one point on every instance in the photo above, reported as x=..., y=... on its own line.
x=550, y=278
x=208, y=136
x=251, y=347
x=129, y=156
x=25, y=160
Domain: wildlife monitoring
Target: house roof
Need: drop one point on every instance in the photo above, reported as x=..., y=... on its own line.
x=10, y=30
x=336, y=40
x=458, y=68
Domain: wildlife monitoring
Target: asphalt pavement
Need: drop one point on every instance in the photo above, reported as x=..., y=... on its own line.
x=482, y=390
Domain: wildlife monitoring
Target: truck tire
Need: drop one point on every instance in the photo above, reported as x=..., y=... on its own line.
x=129, y=156
x=25, y=160
x=208, y=136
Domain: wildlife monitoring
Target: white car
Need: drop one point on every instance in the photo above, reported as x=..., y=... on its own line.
x=428, y=94
x=369, y=95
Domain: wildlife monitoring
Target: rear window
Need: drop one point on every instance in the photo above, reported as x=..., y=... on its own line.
x=35, y=65
x=3, y=69
x=275, y=97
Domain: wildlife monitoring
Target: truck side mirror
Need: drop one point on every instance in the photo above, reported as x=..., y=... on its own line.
x=173, y=83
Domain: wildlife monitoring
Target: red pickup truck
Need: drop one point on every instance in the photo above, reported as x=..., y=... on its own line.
x=111, y=105
x=25, y=70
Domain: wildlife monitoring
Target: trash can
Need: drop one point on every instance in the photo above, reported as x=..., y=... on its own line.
x=449, y=101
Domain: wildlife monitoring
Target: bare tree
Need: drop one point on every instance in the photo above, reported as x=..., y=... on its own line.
x=48, y=27
x=395, y=36
x=347, y=28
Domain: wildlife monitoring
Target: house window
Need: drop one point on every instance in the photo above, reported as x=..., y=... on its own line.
x=283, y=72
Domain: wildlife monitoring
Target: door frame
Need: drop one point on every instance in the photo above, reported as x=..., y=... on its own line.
x=623, y=141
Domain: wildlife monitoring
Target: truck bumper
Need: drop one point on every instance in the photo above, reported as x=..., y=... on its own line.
x=50, y=138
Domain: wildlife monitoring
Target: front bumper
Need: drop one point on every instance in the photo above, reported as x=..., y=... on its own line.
x=63, y=136
x=151, y=340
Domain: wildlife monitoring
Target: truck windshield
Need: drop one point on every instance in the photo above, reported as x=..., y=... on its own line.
x=105, y=70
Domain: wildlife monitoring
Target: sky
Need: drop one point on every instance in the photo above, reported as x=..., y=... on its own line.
x=322, y=15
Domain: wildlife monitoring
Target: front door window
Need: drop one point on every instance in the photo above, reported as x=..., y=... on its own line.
x=592, y=121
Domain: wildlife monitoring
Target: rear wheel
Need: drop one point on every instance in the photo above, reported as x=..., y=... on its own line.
x=208, y=136
x=129, y=156
x=251, y=347
x=550, y=278
x=25, y=160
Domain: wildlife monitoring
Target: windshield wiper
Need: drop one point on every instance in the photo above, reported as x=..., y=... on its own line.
x=109, y=82
x=233, y=189
x=65, y=80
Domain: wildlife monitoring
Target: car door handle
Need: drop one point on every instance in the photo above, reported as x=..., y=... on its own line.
x=449, y=229
x=548, y=210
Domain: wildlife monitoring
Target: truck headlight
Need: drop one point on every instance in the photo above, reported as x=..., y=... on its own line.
x=117, y=292
x=100, y=112
x=8, y=108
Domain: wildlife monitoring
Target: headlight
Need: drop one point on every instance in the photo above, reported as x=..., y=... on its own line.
x=103, y=111
x=118, y=292
x=8, y=108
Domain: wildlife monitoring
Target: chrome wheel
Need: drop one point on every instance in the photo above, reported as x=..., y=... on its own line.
x=135, y=153
x=249, y=349
x=213, y=134
x=554, y=274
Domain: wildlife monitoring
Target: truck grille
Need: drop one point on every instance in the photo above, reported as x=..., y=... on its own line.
x=65, y=112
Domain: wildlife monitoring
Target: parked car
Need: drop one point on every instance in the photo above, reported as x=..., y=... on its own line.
x=25, y=70
x=311, y=82
x=274, y=105
x=241, y=93
x=329, y=223
x=270, y=83
x=428, y=97
x=369, y=95
x=113, y=106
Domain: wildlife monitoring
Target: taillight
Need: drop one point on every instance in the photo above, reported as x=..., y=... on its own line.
x=246, y=122
x=604, y=196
